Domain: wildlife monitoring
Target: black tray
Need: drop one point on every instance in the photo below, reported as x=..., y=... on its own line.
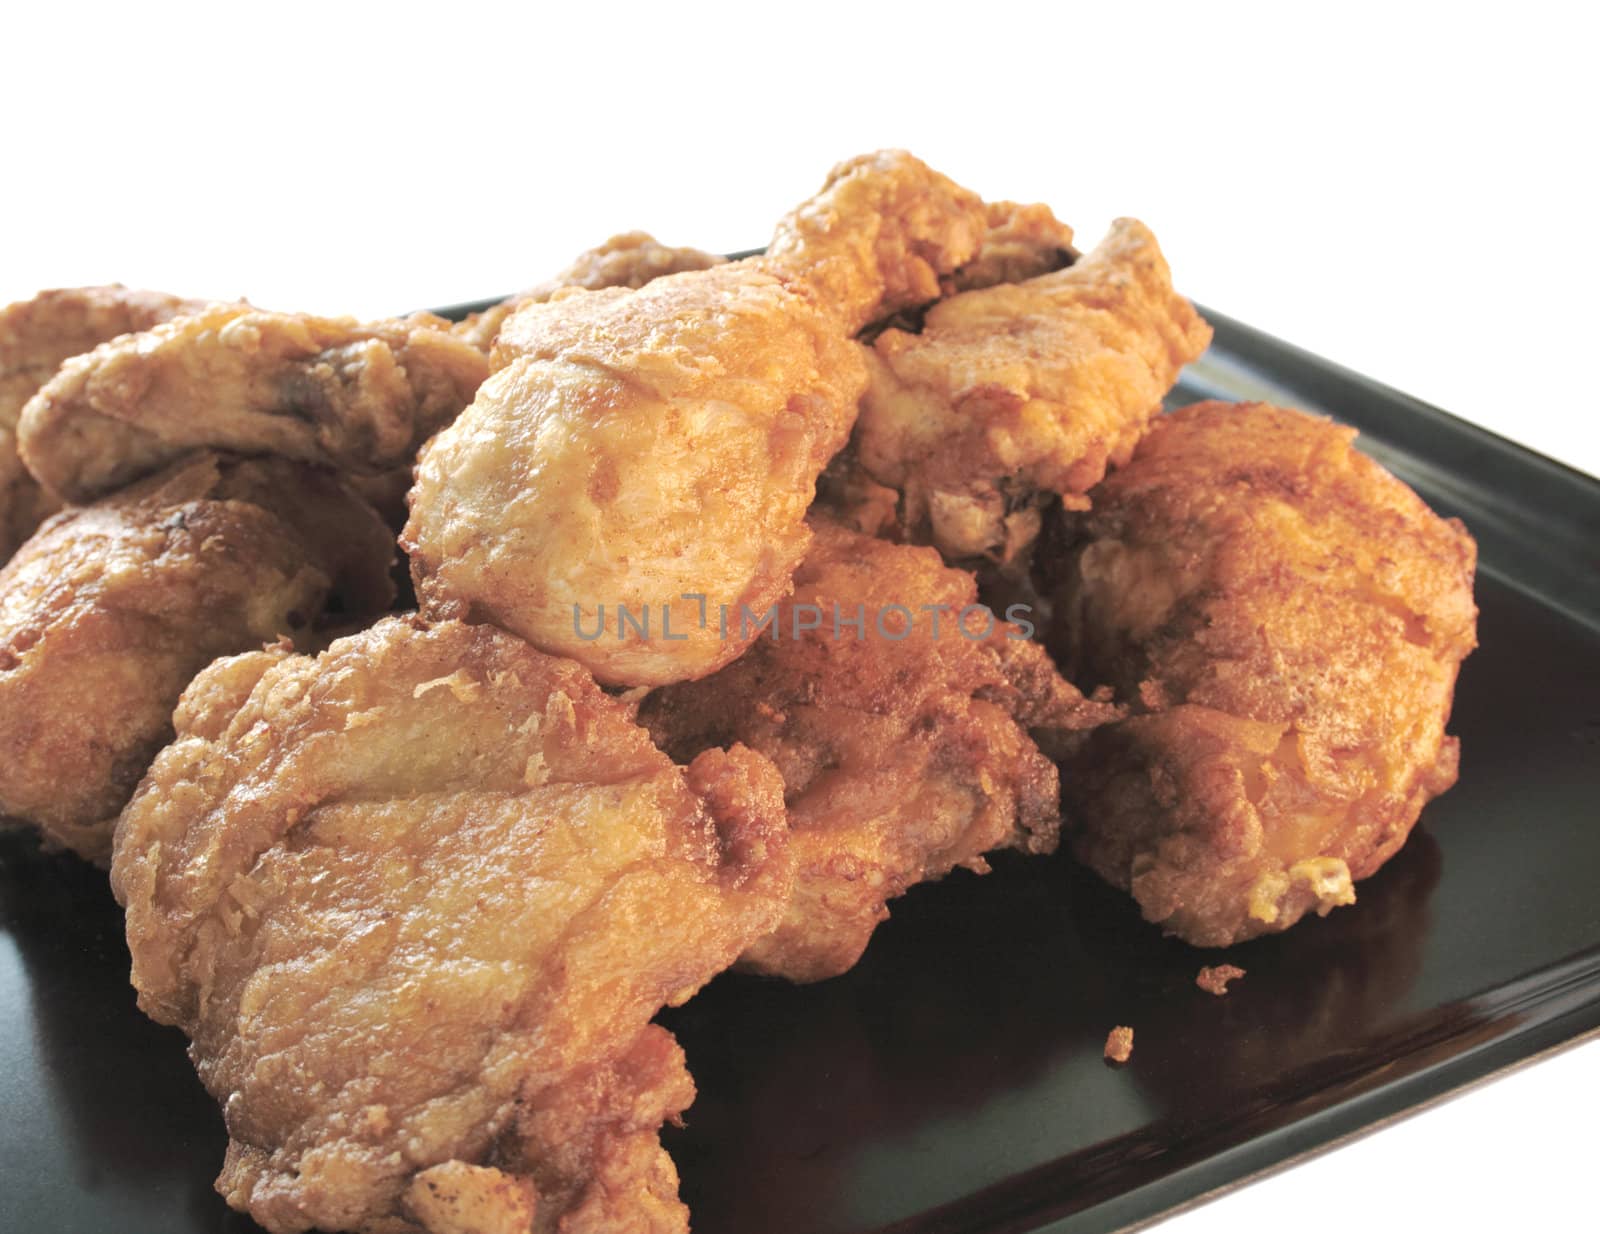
x=953, y=1081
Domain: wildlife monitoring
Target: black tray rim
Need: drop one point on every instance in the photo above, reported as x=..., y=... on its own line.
x=1235, y=332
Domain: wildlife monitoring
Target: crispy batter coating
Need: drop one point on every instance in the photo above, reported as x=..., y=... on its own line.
x=1019, y=243
x=647, y=445
x=35, y=337
x=415, y=902
x=23, y=504
x=1288, y=619
x=656, y=449
x=631, y=259
x=456, y=1198
x=110, y=610
x=846, y=494
x=904, y=751
x=878, y=237
x=1017, y=391
x=326, y=390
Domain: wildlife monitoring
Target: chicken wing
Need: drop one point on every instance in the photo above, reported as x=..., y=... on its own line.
x=35, y=337
x=631, y=259
x=1017, y=391
x=902, y=742
x=361, y=398
x=1287, y=619
x=415, y=901
x=109, y=610
x=642, y=460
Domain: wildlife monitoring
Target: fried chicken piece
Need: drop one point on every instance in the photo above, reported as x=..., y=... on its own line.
x=631, y=259
x=650, y=454
x=1018, y=391
x=879, y=236
x=904, y=750
x=652, y=445
x=1288, y=619
x=23, y=504
x=415, y=902
x=386, y=493
x=35, y=337
x=1019, y=243
x=110, y=610
x=847, y=495
x=325, y=390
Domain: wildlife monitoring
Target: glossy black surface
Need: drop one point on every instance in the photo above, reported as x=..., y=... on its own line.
x=953, y=1082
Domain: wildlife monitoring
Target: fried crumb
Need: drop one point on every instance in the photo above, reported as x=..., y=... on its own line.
x=1213, y=979
x=1119, y=1044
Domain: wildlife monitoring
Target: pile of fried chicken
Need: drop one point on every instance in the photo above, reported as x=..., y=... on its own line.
x=416, y=877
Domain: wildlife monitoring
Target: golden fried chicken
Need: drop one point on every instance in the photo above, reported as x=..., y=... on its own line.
x=631, y=259
x=1019, y=243
x=1017, y=391
x=847, y=495
x=1287, y=619
x=23, y=504
x=325, y=390
x=109, y=610
x=35, y=337
x=415, y=902
x=641, y=461
x=878, y=238
x=903, y=745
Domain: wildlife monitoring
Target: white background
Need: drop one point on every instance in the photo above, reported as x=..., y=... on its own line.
x=1407, y=190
